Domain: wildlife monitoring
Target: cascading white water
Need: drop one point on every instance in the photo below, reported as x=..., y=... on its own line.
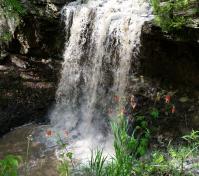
x=102, y=40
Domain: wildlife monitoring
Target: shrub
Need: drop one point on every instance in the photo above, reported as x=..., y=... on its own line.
x=6, y=36
x=13, y=7
x=173, y=14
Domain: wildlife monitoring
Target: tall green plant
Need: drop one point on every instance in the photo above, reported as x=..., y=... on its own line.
x=96, y=165
x=64, y=167
x=127, y=148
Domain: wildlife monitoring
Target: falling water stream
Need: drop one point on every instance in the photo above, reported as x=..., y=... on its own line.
x=102, y=40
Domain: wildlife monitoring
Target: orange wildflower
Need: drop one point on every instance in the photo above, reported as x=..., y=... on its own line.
x=49, y=133
x=173, y=109
x=167, y=99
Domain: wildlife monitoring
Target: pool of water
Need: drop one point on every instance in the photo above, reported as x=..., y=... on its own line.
x=42, y=160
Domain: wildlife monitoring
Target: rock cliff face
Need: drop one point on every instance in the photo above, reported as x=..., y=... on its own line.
x=8, y=25
x=30, y=64
x=170, y=58
x=39, y=32
x=27, y=90
x=172, y=62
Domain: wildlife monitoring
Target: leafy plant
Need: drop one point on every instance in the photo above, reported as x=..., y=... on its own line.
x=155, y=165
x=180, y=154
x=125, y=146
x=9, y=165
x=64, y=166
x=178, y=157
x=7, y=36
x=13, y=7
x=171, y=15
x=192, y=138
x=154, y=113
x=130, y=157
x=11, y=10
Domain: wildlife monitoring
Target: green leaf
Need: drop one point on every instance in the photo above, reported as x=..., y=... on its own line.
x=158, y=158
x=154, y=113
x=69, y=155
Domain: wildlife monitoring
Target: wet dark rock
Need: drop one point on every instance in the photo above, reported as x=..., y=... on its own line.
x=18, y=62
x=41, y=32
x=40, y=37
x=26, y=92
x=30, y=63
x=169, y=123
x=171, y=62
x=171, y=58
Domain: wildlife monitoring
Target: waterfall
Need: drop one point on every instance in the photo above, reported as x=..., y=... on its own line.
x=102, y=38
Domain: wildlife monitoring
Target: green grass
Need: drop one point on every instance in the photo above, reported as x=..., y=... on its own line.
x=96, y=164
